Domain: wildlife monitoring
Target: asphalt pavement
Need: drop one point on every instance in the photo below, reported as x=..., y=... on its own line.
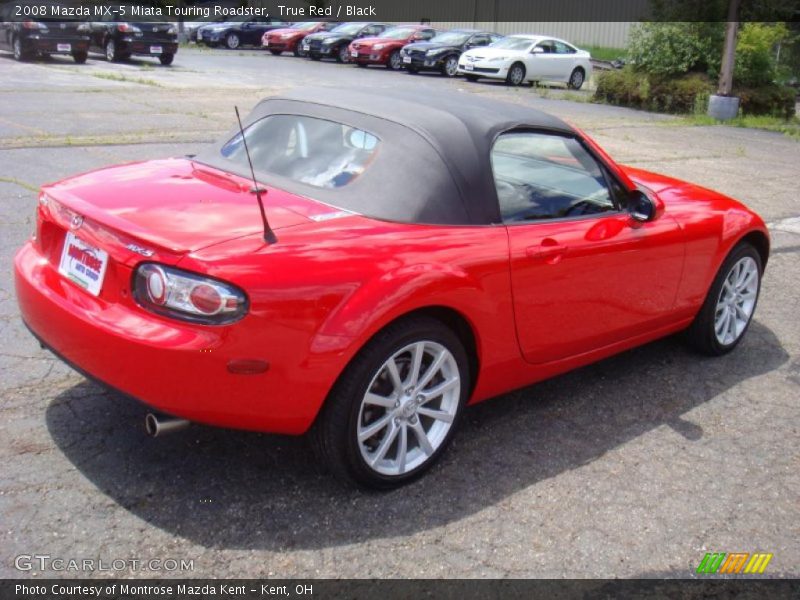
x=633, y=467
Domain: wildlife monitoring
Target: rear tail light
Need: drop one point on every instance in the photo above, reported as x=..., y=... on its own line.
x=128, y=28
x=187, y=296
x=34, y=25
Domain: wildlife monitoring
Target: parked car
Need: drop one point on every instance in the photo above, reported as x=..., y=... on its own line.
x=384, y=49
x=289, y=39
x=528, y=58
x=191, y=28
x=374, y=305
x=120, y=40
x=335, y=43
x=442, y=52
x=247, y=31
x=42, y=37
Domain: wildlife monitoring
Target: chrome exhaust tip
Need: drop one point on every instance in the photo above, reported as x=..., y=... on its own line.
x=156, y=426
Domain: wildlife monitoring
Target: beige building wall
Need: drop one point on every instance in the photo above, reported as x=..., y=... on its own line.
x=612, y=34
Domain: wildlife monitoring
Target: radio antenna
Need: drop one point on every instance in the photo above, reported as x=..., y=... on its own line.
x=269, y=235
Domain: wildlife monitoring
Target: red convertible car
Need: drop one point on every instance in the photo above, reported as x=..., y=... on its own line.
x=414, y=259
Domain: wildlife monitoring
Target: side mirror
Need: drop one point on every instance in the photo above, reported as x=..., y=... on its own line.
x=537, y=50
x=643, y=208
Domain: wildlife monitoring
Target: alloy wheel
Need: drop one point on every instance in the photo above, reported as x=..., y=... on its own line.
x=451, y=66
x=343, y=53
x=17, y=49
x=576, y=80
x=736, y=302
x=409, y=408
x=516, y=75
x=395, y=61
x=232, y=41
x=111, y=51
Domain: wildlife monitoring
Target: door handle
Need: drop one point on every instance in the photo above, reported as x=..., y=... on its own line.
x=549, y=250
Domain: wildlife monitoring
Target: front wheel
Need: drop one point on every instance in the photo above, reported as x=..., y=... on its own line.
x=112, y=53
x=341, y=54
x=728, y=309
x=19, y=52
x=450, y=66
x=232, y=41
x=166, y=59
x=395, y=62
x=576, y=79
x=516, y=74
x=397, y=405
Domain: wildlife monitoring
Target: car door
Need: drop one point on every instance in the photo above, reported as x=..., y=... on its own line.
x=540, y=62
x=584, y=274
x=252, y=29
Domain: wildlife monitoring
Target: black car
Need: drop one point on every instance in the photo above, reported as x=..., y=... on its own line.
x=246, y=31
x=119, y=40
x=334, y=43
x=442, y=52
x=40, y=37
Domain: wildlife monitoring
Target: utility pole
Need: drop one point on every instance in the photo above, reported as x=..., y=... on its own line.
x=723, y=106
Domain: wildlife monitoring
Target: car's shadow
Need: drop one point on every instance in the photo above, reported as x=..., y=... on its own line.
x=235, y=489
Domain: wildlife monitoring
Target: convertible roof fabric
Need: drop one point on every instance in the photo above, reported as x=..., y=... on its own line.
x=433, y=163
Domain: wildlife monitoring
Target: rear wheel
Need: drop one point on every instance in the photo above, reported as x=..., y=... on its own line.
x=80, y=57
x=576, y=79
x=232, y=41
x=516, y=74
x=166, y=59
x=729, y=306
x=450, y=66
x=396, y=407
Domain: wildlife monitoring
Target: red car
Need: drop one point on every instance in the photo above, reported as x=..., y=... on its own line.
x=288, y=40
x=385, y=48
x=416, y=260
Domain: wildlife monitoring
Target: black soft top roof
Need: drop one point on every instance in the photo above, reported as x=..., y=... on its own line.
x=433, y=162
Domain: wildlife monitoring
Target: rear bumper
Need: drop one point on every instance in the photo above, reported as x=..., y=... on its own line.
x=175, y=367
x=145, y=48
x=53, y=45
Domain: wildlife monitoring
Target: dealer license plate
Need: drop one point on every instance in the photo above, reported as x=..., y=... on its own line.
x=83, y=264
x=468, y=67
x=354, y=53
x=407, y=59
x=156, y=50
x=306, y=47
x=63, y=47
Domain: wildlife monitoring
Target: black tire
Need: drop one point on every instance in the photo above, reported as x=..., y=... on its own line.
x=341, y=54
x=450, y=66
x=19, y=52
x=701, y=334
x=334, y=435
x=395, y=62
x=516, y=74
x=166, y=59
x=278, y=52
x=472, y=78
x=112, y=53
x=80, y=57
x=232, y=41
x=576, y=79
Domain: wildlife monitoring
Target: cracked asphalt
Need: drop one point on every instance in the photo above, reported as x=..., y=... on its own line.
x=633, y=467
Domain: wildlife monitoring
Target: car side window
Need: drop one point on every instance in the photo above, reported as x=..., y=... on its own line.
x=547, y=176
x=427, y=34
x=372, y=30
x=562, y=48
x=480, y=40
x=548, y=46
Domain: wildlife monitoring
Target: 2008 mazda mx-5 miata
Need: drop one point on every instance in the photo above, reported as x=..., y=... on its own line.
x=414, y=259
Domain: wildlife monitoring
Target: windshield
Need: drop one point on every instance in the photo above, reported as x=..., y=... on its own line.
x=513, y=43
x=348, y=28
x=398, y=33
x=452, y=38
x=308, y=150
x=305, y=25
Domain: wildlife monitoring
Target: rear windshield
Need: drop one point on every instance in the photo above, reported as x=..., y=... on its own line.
x=308, y=150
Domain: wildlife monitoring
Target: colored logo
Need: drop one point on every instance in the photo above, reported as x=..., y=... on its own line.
x=723, y=563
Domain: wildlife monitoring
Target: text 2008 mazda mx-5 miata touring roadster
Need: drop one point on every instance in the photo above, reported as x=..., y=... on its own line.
x=419, y=259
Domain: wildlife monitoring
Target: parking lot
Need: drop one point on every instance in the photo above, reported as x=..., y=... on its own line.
x=633, y=467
